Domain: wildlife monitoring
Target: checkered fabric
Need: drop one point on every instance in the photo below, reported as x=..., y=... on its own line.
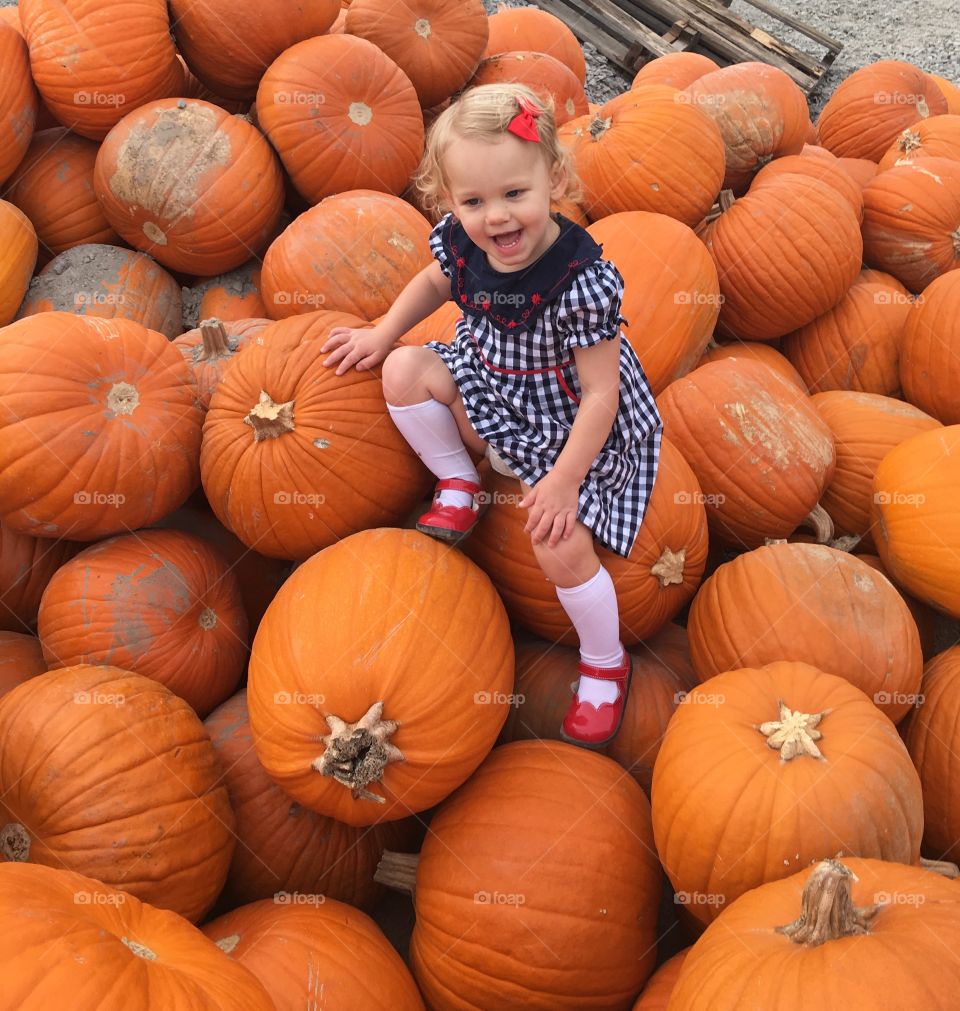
x=521, y=391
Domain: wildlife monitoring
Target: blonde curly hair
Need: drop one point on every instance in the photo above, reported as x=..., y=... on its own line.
x=485, y=112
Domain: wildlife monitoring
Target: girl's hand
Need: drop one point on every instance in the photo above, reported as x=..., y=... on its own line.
x=552, y=505
x=355, y=348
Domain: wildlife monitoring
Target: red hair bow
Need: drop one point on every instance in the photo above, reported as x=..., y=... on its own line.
x=524, y=124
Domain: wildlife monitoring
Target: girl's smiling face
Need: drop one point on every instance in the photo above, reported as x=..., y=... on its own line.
x=501, y=192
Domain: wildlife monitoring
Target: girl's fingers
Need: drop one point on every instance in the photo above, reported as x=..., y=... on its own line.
x=335, y=338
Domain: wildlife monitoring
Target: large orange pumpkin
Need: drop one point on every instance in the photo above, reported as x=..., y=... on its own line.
x=671, y=293
x=336, y=131
x=26, y=565
x=546, y=76
x=109, y=282
x=385, y=711
x=869, y=108
x=925, y=616
x=494, y=880
x=761, y=453
x=814, y=604
x=18, y=101
x=436, y=43
x=228, y=44
x=305, y=948
x=353, y=252
x=937, y=137
x=851, y=935
x=653, y=584
x=210, y=348
x=910, y=221
x=528, y=29
x=179, y=595
x=761, y=114
x=655, y=996
x=133, y=399
x=675, y=70
x=828, y=171
x=93, y=63
x=193, y=186
x=856, y=344
x=234, y=295
x=101, y=936
x=20, y=659
x=746, y=760
x=283, y=847
x=915, y=515
x=109, y=774
x=18, y=254
x=295, y=457
x=648, y=151
x=754, y=351
x=931, y=343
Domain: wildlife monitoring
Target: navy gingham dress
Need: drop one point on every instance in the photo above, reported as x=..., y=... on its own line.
x=512, y=361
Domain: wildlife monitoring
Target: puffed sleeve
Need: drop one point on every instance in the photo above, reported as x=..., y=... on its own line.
x=438, y=245
x=589, y=311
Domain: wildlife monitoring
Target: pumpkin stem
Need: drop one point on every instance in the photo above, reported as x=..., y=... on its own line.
x=599, y=126
x=724, y=202
x=956, y=241
x=15, y=842
x=357, y=753
x=793, y=733
x=827, y=912
x=270, y=420
x=398, y=871
x=942, y=867
x=846, y=542
x=216, y=343
x=818, y=520
x=668, y=568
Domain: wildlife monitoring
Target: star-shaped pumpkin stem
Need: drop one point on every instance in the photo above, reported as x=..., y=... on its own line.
x=357, y=753
x=268, y=419
x=794, y=733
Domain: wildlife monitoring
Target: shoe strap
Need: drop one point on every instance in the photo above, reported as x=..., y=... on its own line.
x=606, y=673
x=457, y=484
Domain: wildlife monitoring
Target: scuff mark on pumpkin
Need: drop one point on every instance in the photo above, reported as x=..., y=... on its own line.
x=322, y=443
x=399, y=241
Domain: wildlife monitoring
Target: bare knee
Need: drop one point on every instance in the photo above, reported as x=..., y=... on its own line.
x=572, y=561
x=405, y=375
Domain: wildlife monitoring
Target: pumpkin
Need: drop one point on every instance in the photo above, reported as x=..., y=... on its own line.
x=546, y=674
x=865, y=428
x=193, y=186
x=400, y=730
x=436, y=43
x=18, y=254
x=568, y=208
x=282, y=847
x=20, y=659
x=550, y=79
x=829, y=172
x=295, y=457
x=937, y=137
x=440, y=325
x=53, y=186
x=656, y=994
x=192, y=87
x=648, y=152
x=931, y=340
x=317, y=947
x=234, y=296
x=931, y=741
x=109, y=282
x=671, y=294
x=748, y=758
x=354, y=252
x=11, y=17
x=861, y=170
x=653, y=584
x=856, y=344
x=26, y=565
x=760, y=452
x=103, y=935
x=228, y=44
x=910, y=221
x=814, y=604
x=754, y=351
x=18, y=101
x=177, y=593
x=62, y=374
x=868, y=109
x=337, y=132
x=676, y=70
x=925, y=617
x=853, y=932
x=950, y=92
x=761, y=114
x=478, y=902
x=914, y=512
x=527, y=29
x=109, y=774
x=767, y=291
x=210, y=348
x=92, y=63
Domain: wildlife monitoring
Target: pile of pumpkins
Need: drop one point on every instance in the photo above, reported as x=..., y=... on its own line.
x=242, y=697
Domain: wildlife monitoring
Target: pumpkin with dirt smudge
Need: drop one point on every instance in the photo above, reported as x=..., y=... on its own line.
x=19, y=102
x=234, y=295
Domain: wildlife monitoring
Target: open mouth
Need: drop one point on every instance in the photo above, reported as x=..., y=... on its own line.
x=508, y=240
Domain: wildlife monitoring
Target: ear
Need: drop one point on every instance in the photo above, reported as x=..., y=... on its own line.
x=558, y=182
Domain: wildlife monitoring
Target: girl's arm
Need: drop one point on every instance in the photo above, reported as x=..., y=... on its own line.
x=553, y=501
x=367, y=347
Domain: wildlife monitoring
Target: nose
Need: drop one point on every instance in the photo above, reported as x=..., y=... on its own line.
x=497, y=212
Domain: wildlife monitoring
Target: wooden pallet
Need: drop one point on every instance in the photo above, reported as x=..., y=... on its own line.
x=632, y=32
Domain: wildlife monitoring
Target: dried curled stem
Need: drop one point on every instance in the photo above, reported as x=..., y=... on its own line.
x=794, y=733
x=827, y=911
x=398, y=871
x=357, y=753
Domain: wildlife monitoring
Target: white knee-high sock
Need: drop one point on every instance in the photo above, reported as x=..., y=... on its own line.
x=592, y=608
x=432, y=432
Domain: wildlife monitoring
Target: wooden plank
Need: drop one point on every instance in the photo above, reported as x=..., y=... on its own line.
x=801, y=26
x=616, y=51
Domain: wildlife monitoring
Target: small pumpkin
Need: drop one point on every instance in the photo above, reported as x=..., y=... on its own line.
x=676, y=70
x=18, y=254
x=234, y=295
x=210, y=348
x=931, y=341
x=545, y=75
x=20, y=659
x=519, y=29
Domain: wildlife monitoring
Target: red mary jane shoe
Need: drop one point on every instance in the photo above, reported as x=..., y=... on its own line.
x=451, y=523
x=590, y=726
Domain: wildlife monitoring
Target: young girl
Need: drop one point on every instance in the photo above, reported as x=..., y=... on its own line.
x=538, y=372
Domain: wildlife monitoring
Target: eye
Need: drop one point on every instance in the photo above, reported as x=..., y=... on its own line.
x=472, y=202
x=514, y=193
